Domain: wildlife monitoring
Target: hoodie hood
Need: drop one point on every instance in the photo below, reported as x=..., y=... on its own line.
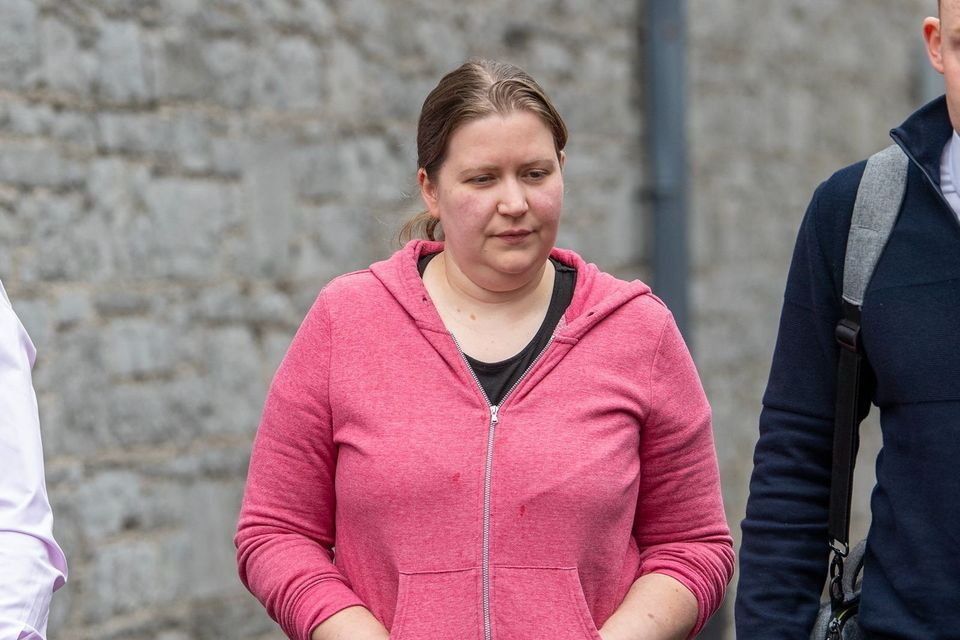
x=596, y=295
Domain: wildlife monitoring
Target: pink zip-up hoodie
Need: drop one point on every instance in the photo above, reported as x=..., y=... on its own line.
x=455, y=520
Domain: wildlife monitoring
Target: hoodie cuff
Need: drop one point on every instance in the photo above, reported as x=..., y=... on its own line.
x=318, y=604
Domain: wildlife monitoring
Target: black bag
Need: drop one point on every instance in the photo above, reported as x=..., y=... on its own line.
x=879, y=198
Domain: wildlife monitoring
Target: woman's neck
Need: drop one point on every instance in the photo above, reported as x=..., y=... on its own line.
x=458, y=287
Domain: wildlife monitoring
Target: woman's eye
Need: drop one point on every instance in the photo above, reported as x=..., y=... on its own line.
x=538, y=174
x=481, y=179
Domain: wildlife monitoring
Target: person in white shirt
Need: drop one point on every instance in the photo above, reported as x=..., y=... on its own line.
x=32, y=565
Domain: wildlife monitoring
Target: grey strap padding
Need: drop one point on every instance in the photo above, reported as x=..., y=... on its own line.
x=874, y=212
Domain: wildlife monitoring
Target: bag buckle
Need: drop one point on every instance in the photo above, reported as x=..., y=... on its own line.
x=840, y=551
x=847, y=334
x=840, y=548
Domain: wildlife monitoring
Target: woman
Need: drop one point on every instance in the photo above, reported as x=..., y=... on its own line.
x=501, y=441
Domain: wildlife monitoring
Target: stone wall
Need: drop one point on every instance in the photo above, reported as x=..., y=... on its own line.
x=178, y=178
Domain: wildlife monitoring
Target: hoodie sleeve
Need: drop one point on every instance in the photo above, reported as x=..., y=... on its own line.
x=285, y=535
x=680, y=526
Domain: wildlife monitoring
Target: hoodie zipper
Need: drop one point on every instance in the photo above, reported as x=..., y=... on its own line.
x=488, y=475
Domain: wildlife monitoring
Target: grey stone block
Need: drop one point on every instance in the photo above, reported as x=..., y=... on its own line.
x=268, y=201
x=357, y=168
x=131, y=133
x=18, y=41
x=176, y=65
x=414, y=41
x=138, y=347
x=268, y=307
x=220, y=618
x=179, y=139
x=226, y=17
x=332, y=238
x=67, y=65
x=235, y=384
x=355, y=91
x=122, y=303
x=73, y=395
x=289, y=76
x=366, y=16
x=13, y=233
x=131, y=575
x=120, y=71
x=58, y=441
x=109, y=503
x=26, y=119
x=73, y=307
x=317, y=170
x=169, y=413
x=315, y=17
x=220, y=304
x=228, y=64
x=231, y=304
x=191, y=138
x=66, y=244
x=226, y=157
x=6, y=259
x=77, y=130
x=208, y=567
x=227, y=462
x=116, y=191
x=38, y=164
x=180, y=232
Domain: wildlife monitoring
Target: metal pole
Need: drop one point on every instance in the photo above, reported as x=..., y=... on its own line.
x=665, y=88
x=666, y=108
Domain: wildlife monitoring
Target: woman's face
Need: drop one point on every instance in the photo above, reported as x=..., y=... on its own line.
x=498, y=196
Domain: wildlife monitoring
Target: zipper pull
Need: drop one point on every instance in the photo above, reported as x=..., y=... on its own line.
x=494, y=418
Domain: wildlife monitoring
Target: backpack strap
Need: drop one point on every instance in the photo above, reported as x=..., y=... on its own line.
x=875, y=211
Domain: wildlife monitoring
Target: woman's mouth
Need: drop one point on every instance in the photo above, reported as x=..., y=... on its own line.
x=514, y=234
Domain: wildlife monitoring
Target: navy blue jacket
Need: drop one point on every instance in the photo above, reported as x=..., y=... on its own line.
x=911, y=333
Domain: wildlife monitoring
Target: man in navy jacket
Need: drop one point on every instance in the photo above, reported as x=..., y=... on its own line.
x=911, y=335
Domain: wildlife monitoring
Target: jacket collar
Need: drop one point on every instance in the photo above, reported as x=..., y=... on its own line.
x=922, y=136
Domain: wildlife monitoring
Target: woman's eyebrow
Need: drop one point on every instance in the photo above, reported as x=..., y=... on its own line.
x=480, y=168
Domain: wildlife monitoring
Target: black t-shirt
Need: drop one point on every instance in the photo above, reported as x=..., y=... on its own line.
x=498, y=378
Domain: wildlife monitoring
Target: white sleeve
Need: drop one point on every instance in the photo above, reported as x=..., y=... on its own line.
x=32, y=566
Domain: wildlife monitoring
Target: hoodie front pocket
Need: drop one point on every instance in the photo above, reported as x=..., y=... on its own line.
x=438, y=605
x=540, y=603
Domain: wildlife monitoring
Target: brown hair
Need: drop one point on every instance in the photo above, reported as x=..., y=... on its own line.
x=474, y=90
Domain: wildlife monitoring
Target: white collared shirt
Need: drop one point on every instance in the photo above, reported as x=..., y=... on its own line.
x=32, y=566
x=948, y=172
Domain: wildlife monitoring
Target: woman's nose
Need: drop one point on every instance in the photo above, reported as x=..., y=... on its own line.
x=513, y=200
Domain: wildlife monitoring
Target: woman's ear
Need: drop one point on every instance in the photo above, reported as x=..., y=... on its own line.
x=562, y=157
x=428, y=193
